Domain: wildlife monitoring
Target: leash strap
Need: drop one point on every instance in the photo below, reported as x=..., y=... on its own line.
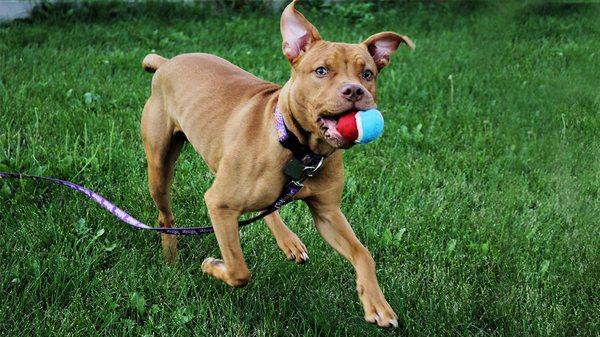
x=290, y=190
x=109, y=206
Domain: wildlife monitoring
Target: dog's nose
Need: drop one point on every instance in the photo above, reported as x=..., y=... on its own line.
x=353, y=92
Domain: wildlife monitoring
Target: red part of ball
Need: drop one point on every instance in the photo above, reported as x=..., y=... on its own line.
x=347, y=126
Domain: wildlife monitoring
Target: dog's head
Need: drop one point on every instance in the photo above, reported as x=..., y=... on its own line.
x=328, y=78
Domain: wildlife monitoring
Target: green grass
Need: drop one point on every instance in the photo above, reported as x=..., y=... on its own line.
x=480, y=204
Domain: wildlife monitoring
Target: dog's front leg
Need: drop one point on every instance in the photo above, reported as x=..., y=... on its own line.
x=232, y=269
x=336, y=230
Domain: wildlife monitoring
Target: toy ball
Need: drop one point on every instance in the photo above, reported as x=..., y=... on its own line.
x=361, y=127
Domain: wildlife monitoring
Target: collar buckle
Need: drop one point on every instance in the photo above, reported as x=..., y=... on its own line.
x=298, y=183
x=311, y=170
x=299, y=172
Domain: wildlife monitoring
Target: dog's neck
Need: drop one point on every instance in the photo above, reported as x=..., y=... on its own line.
x=306, y=137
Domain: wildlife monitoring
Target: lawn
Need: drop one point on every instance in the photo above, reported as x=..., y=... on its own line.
x=480, y=203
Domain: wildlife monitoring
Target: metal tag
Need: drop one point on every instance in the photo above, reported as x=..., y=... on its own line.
x=294, y=169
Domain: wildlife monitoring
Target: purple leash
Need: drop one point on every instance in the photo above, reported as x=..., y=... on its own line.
x=110, y=207
x=302, y=168
x=289, y=191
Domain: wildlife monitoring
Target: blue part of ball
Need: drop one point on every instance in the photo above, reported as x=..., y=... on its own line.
x=369, y=124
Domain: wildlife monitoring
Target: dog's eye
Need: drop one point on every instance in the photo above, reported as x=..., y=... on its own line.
x=367, y=75
x=321, y=71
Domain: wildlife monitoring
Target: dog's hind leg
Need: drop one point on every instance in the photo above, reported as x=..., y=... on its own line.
x=287, y=240
x=162, y=145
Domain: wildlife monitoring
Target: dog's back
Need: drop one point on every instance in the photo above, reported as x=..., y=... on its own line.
x=197, y=92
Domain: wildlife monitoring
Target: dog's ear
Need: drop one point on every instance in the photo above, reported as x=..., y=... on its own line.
x=382, y=45
x=298, y=34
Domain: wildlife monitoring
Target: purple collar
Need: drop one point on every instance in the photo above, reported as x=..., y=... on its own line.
x=289, y=140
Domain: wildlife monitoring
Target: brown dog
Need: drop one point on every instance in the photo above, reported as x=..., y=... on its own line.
x=226, y=114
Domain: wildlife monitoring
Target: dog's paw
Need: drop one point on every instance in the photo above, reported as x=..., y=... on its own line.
x=293, y=248
x=378, y=311
x=169, y=247
x=217, y=269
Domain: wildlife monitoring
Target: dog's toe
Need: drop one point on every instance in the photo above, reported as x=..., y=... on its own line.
x=299, y=256
x=293, y=248
x=210, y=263
x=304, y=257
x=373, y=318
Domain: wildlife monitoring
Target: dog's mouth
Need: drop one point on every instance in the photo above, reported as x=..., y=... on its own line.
x=328, y=127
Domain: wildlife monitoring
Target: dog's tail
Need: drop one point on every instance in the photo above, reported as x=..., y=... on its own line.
x=152, y=61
